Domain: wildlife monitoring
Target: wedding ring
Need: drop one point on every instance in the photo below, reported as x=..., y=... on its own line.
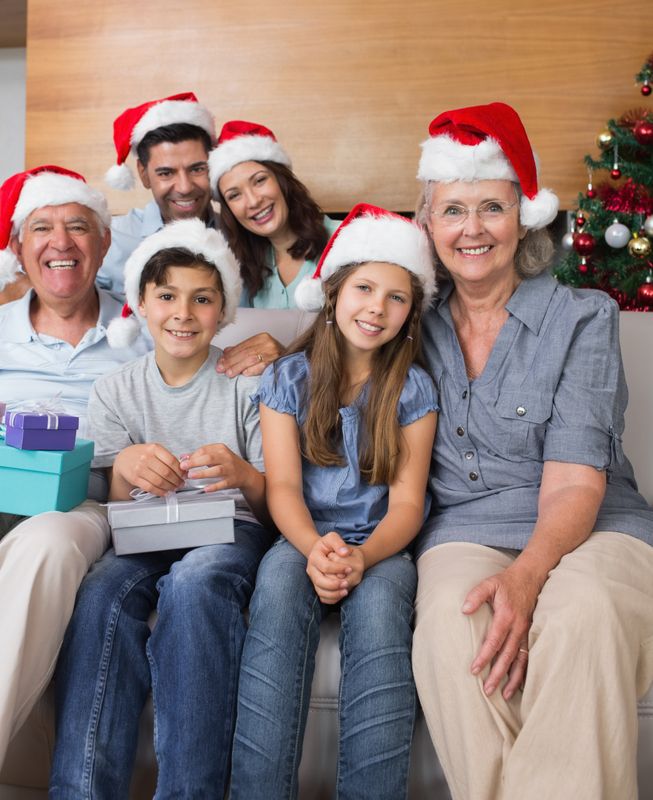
x=260, y=358
x=522, y=650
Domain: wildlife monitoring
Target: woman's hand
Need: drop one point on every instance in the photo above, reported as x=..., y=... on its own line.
x=250, y=357
x=512, y=596
x=147, y=466
x=219, y=462
x=328, y=576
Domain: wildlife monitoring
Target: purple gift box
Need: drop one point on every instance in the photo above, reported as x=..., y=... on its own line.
x=30, y=431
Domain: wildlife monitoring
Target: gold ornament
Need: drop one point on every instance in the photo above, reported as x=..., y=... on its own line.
x=639, y=247
x=605, y=139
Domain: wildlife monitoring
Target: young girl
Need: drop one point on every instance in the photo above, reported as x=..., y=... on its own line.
x=348, y=422
x=272, y=223
x=154, y=421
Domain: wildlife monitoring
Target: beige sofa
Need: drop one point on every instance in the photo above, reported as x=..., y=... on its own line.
x=25, y=773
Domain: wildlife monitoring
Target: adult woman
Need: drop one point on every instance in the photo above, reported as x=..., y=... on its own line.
x=534, y=612
x=273, y=225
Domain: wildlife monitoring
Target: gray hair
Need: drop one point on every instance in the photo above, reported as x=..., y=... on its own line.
x=533, y=255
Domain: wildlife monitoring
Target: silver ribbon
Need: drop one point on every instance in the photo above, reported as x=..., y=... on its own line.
x=50, y=407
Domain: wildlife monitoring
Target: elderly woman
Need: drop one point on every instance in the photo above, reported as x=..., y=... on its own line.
x=534, y=620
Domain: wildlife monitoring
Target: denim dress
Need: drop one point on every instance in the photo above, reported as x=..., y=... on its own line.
x=338, y=498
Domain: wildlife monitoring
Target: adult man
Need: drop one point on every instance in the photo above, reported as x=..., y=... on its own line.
x=171, y=139
x=52, y=342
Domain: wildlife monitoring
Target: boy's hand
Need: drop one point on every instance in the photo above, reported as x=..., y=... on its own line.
x=328, y=576
x=221, y=463
x=250, y=357
x=149, y=467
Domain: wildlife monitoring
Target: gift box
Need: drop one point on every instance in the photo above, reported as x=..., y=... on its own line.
x=33, y=481
x=183, y=520
x=33, y=431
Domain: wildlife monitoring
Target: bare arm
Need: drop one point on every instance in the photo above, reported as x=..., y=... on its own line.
x=569, y=500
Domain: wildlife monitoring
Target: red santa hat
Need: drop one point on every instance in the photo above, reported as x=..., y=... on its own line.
x=192, y=235
x=131, y=127
x=243, y=141
x=37, y=188
x=370, y=233
x=487, y=143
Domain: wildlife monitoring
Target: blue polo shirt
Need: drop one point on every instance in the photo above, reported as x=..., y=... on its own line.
x=553, y=389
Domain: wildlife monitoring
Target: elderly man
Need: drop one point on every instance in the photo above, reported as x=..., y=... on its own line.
x=52, y=342
x=171, y=139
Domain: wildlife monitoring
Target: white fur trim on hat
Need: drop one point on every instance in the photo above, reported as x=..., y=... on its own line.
x=540, y=211
x=445, y=160
x=194, y=236
x=120, y=176
x=170, y=112
x=244, y=148
x=52, y=189
x=123, y=331
x=386, y=239
x=309, y=295
x=9, y=267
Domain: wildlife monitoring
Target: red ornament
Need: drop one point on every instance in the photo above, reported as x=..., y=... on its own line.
x=615, y=173
x=583, y=268
x=646, y=90
x=643, y=131
x=645, y=293
x=580, y=221
x=584, y=243
x=591, y=193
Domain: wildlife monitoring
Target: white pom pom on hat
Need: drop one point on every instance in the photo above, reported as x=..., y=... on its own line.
x=24, y=192
x=370, y=233
x=487, y=142
x=131, y=127
x=243, y=141
x=192, y=235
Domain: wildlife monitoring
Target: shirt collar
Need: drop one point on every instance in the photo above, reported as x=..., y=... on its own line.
x=528, y=303
x=17, y=326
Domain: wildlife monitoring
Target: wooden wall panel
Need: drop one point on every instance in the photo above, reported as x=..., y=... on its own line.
x=349, y=87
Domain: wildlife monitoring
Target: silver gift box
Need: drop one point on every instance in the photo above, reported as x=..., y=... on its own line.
x=145, y=526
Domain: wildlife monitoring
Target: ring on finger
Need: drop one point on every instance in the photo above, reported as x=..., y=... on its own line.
x=260, y=358
x=523, y=650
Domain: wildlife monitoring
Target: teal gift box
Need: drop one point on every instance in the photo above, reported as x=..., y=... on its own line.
x=34, y=481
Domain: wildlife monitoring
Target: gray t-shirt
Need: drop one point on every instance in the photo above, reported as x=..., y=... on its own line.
x=133, y=405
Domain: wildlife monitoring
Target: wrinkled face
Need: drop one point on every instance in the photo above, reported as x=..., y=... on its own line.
x=61, y=251
x=475, y=229
x=183, y=313
x=372, y=305
x=255, y=198
x=177, y=174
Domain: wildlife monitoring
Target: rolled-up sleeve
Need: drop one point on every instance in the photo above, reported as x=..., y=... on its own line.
x=590, y=398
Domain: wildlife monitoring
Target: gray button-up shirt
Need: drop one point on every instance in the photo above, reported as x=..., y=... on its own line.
x=553, y=389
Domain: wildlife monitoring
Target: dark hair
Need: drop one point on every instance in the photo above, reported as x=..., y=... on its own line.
x=175, y=133
x=305, y=219
x=324, y=346
x=156, y=268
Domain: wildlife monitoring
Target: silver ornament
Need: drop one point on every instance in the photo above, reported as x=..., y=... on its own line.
x=568, y=241
x=648, y=225
x=617, y=235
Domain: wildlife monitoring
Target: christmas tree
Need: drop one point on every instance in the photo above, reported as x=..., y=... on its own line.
x=611, y=235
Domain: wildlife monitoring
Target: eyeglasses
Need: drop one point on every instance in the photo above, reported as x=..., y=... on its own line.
x=453, y=215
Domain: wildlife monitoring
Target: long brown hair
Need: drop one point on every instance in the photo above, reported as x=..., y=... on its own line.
x=305, y=219
x=324, y=346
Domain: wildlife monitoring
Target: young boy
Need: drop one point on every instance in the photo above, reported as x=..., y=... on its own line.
x=153, y=421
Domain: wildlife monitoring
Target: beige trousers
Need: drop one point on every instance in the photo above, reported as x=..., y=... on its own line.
x=572, y=733
x=42, y=563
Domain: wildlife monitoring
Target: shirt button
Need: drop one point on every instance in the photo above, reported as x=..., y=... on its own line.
x=465, y=394
x=520, y=411
x=460, y=430
x=469, y=454
x=473, y=476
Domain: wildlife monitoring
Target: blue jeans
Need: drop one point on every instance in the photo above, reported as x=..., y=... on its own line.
x=377, y=693
x=190, y=661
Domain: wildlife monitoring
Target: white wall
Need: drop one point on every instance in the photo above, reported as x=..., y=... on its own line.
x=12, y=111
